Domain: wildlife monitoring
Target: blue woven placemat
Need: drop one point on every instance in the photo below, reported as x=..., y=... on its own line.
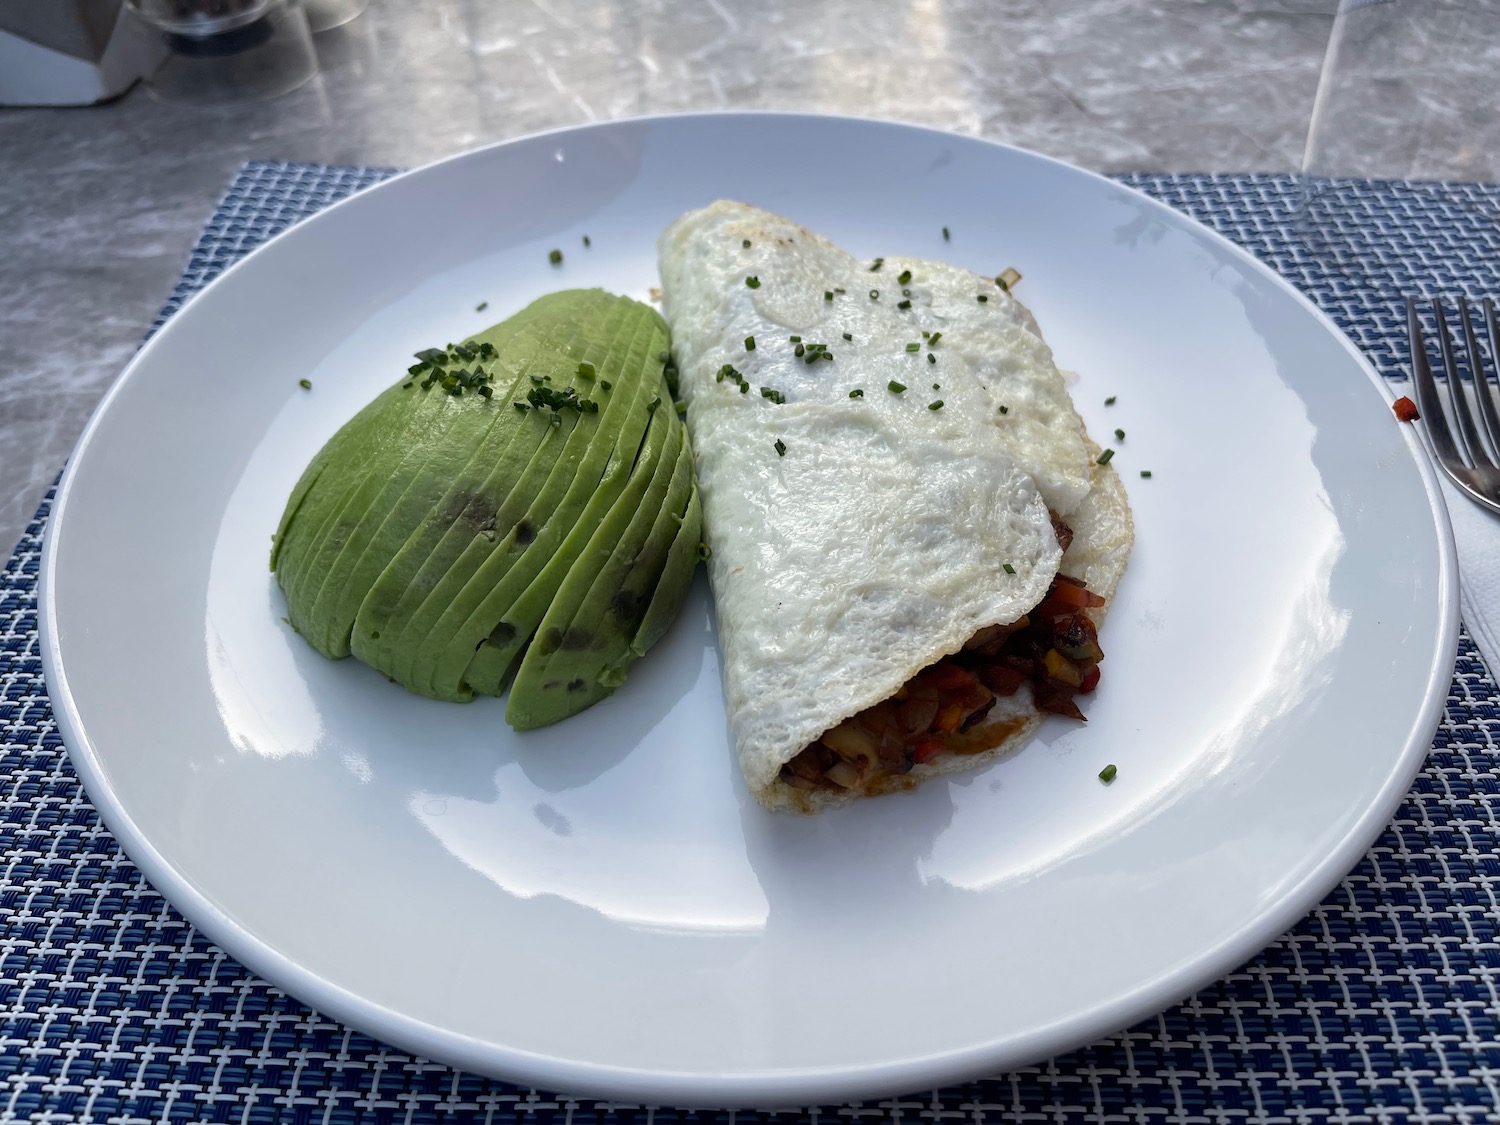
x=1379, y=1006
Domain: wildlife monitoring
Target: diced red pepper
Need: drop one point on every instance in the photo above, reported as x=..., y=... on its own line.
x=1405, y=409
x=1090, y=678
x=1067, y=597
x=928, y=749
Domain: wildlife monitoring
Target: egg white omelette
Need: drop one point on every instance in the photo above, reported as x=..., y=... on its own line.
x=912, y=537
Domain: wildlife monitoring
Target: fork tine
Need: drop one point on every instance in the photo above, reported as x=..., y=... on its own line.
x=1483, y=390
x=1467, y=434
x=1427, y=397
x=1477, y=450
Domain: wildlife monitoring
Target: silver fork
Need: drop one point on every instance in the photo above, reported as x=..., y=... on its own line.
x=1468, y=461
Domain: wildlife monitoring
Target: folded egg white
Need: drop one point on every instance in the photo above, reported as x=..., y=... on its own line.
x=883, y=448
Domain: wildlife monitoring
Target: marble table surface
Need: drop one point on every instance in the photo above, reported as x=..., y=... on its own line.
x=99, y=206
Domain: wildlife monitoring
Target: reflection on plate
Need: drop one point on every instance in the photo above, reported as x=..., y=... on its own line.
x=599, y=906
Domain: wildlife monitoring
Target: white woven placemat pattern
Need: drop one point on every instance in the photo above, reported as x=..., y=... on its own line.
x=1380, y=1006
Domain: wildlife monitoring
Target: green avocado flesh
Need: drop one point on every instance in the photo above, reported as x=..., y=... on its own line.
x=520, y=506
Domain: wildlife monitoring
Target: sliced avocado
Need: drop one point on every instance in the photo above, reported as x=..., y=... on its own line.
x=451, y=591
x=357, y=445
x=396, y=452
x=374, y=458
x=593, y=620
x=315, y=499
x=466, y=507
x=481, y=619
x=441, y=525
x=376, y=513
x=676, y=576
x=520, y=622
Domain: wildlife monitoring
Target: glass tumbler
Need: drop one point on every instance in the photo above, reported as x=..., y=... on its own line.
x=224, y=51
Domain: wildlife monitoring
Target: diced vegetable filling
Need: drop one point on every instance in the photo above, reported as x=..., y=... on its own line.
x=941, y=710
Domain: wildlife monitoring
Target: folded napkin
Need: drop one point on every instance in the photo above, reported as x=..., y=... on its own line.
x=1476, y=530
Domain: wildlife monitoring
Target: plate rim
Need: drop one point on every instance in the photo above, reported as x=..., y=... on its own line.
x=780, y=1087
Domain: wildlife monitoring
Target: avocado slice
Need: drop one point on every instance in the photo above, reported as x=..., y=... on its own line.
x=442, y=521
x=480, y=622
x=448, y=592
x=489, y=668
x=402, y=481
x=384, y=427
x=332, y=510
x=590, y=624
x=671, y=588
x=437, y=504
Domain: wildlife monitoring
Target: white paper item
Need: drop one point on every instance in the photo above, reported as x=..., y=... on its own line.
x=1477, y=533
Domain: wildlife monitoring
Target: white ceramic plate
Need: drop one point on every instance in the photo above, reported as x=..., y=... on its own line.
x=599, y=907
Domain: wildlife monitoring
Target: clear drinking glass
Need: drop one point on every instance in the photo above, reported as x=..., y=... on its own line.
x=1409, y=92
x=224, y=51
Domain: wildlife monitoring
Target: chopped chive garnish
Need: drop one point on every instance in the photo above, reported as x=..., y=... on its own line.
x=705, y=552
x=745, y=243
x=481, y=306
x=1146, y=473
x=749, y=343
x=431, y=355
x=857, y=393
x=936, y=387
x=744, y=386
x=894, y=387
x=847, y=336
x=931, y=358
x=305, y=384
x=878, y=263
x=913, y=347
x=798, y=350
x=653, y=404
x=946, y=235
x=1008, y=568
x=874, y=294
x=555, y=257
x=406, y=384
x=485, y=391
x=1110, y=401
x=934, y=338
x=586, y=242
x=828, y=294
x=903, y=304
x=586, y=370
x=681, y=407
x=522, y=405
x=416, y=369
x=903, y=277
x=1107, y=774
x=984, y=298
x=839, y=290
x=1119, y=435
x=772, y=394
x=1105, y=456
x=780, y=448
x=794, y=339
x=753, y=282
x=606, y=384
x=938, y=405
x=1005, y=410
